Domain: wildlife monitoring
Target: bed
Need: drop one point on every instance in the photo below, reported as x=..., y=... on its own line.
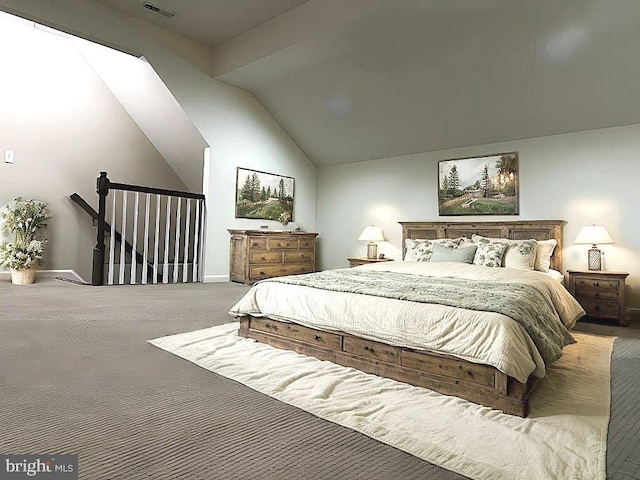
x=366, y=318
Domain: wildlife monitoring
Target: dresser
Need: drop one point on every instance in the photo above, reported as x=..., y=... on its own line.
x=259, y=254
x=600, y=292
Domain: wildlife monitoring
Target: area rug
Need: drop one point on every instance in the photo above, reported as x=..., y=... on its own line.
x=564, y=436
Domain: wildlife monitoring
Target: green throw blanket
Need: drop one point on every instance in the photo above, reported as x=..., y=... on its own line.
x=531, y=308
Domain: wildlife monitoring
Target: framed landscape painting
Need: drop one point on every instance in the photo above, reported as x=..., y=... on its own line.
x=264, y=195
x=486, y=185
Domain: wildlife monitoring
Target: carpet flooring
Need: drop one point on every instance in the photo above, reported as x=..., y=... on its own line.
x=77, y=376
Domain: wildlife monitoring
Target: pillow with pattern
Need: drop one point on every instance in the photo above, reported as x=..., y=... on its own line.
x=490, y=254
x=520, y=254
x=420, y=250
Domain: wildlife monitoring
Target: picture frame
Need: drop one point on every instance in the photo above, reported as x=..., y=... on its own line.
x=265, y=196
x=481, y=185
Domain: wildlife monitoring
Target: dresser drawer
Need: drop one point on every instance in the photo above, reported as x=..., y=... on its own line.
x=283, y=242
x=603, y=285
x=265, y=257
x=600, y=309
x=298, y=332
x=597, y=294
x=298, y=256
x=307, y=243
x=257, y=243
x=371, y=349
x=258, y=272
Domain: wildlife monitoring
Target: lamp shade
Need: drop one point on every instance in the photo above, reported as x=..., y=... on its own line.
x=593, y=234
x=371, y=234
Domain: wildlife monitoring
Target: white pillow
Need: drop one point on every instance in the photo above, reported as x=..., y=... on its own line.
x=556, y=275
x=520, y=254
x=544, y=250
x=420, y=249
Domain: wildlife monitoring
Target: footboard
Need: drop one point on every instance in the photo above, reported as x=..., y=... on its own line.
x=445, y=374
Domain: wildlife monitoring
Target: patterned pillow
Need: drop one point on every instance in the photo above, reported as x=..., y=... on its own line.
x=490, y=254
x=520, y=254
x=419, y=250
x=453, y=254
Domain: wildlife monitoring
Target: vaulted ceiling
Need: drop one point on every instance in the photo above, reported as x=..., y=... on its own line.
x=354, y=80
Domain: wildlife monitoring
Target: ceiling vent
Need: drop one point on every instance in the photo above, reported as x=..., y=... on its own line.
x=156, y=9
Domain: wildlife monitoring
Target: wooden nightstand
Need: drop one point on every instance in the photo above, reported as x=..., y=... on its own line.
x=354, y=262
x=600, y=292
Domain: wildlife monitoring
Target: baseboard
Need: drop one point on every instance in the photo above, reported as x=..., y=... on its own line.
x=6, y=274
x=215, y=278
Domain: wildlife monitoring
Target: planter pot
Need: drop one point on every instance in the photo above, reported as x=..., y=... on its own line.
x=24, y=276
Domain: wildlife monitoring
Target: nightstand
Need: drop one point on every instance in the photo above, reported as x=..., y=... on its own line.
x=600, y=292
x=354, y=262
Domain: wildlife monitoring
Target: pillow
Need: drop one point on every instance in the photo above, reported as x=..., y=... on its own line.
x=520, y=254
x=419, y=250
x=452, y=254
x=544, y=250
x=490, y=254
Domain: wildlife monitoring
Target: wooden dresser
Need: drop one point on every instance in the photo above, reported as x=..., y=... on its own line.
x=259, y=254
x=600, y=292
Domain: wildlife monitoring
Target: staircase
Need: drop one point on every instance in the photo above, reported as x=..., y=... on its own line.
x=153, y=235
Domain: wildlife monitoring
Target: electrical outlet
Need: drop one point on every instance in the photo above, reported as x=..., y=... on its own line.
x=8, y=156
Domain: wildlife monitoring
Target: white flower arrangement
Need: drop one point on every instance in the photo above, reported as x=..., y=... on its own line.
x=19, y=256
x=24, y=218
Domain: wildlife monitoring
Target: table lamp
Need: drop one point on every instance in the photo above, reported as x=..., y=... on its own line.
x=372, y=235
x=594, y=234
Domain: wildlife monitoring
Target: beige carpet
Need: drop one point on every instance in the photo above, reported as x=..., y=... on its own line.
x=563, y=437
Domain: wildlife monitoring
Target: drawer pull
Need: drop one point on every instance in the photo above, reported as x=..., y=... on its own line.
x=262, y=273
x=596, y=284
x=316, y=337
x=263, y=258
x=368, y=349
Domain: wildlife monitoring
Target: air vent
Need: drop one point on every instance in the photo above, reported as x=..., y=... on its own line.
x=156, y=9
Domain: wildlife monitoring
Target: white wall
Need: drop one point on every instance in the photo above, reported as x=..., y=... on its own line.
x=64, y=126
x=237, y=128
x=583, y=178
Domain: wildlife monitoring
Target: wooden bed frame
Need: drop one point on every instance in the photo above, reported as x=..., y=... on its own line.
x=446, y=374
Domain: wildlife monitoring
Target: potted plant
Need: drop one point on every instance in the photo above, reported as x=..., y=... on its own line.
x=25, y=219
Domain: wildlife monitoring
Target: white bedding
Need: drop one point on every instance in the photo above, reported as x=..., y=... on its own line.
x=479, y=337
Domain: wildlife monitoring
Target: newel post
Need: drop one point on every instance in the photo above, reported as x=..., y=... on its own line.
x=102, y=187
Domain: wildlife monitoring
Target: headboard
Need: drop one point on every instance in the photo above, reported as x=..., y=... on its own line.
x=514, y=230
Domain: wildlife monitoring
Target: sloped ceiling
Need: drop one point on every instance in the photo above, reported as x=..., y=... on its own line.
x=367, y=79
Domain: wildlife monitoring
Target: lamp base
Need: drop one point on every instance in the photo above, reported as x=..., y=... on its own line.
x=372, y=250
x=595, y=259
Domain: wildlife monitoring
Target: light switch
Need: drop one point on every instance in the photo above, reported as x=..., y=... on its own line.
x=8, y=156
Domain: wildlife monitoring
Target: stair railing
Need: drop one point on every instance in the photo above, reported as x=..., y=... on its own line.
x=162, y=232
